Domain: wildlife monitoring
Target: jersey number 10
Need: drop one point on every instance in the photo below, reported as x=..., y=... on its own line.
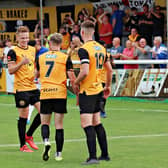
x=99, y=60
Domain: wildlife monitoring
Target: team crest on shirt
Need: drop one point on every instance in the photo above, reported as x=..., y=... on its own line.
x=22, y=102
x=30, y=65
x=9, y=58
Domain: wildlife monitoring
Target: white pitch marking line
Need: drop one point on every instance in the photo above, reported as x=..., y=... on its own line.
x=112, y=109
x=109, y=138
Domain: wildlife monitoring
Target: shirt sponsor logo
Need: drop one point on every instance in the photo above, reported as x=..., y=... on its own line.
x=49, y=90
x=22, y=102
x=51, y=56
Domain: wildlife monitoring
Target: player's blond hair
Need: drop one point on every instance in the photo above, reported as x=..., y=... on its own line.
x=22, y=29
x=88, y=28
x=56, y=38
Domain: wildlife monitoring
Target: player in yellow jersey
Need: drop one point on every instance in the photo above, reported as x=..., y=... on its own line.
x=52, y=68
x=93, y=57
x=21, y=61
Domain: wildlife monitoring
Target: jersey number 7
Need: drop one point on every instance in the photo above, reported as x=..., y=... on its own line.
x=51, y=65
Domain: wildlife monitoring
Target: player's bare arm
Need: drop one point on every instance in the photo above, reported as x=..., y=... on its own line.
x=107, y=88
x=12, y=65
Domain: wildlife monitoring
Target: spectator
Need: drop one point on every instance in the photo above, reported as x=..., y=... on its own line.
x=143, y=52
x=1, y=50
x=76, y=32
x=68, y=23
x=80, y=18
x=39, y=48
x=158, y=22
x=8, y=46
x=65, y=38
x=73, y=50
x=128, y=54
x=159, y=51
x=117, y=21
x=106, y=29
x=146, y=25
x=134, y=36
x=99, y=11
x=47, y=35
x=91, y=18
x=133, y=19
x=1, y=57
x=116, y=50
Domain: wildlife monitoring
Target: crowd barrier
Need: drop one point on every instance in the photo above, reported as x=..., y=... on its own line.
x=125, y=82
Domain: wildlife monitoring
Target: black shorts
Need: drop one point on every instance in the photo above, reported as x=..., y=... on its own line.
x=89, y=103
x=53, y=105
x=24, y=98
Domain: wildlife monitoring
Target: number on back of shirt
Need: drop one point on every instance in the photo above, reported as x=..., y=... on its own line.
x=99, y=60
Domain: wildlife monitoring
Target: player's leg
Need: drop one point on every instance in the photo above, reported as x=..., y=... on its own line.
x=22, y=103
x=45, y=133
x=87, y=104
x=31, y=108
x=36, y=121
x=59, y=136
x=45, y=115
x=100, y=132
x=60, y=108
x=102, y=105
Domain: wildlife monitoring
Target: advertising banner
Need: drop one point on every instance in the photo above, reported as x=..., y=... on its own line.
x=11, y=19
x=152, y=83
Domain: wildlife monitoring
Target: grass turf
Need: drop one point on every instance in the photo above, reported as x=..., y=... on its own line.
x=137, y=137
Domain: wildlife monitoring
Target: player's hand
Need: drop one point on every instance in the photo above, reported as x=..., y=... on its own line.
x=25, y=60
x=107, y=91
x=75, y=88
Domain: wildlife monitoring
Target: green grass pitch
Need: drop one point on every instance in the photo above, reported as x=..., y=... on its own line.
x=137, y=136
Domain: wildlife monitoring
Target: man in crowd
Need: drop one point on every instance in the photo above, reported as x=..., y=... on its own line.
x=143, y=52
x=159, y=51
x=21, y=60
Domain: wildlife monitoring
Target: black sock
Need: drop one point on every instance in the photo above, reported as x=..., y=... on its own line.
x=36, y=122
x=59, y=139
x=22, y=130
x=91, y=141
x=45, y=132
x=101, y=136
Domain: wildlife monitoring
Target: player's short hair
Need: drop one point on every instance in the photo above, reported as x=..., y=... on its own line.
x=22, y=29
x=56, y=38
x=88, y=25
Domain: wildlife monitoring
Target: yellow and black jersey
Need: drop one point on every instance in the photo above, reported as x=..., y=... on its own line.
x=52, y=66
x=24, y=77
x=94, y=54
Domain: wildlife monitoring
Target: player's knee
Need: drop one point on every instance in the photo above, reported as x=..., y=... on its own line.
x=59, y=124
